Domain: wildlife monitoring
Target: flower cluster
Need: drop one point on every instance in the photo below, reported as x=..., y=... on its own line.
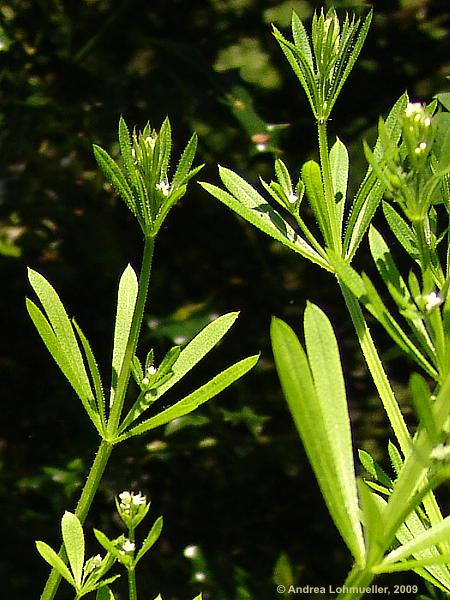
x=404, y=168
x=142, y=175
x=132, y=508
x=417, y=134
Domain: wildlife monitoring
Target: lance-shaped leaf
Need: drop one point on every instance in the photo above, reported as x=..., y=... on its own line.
x=339, y=173
x=349, y=51
x=50, y=556
x=312, y=178
x=401, y=230
x=94, y=371
x=151, y=539
x=73, y=538
x=251, y=206
x=116, y=178
x=314, y=389
x=126, y=302
x=300, y=58
x=371, y=190
x=398, y=288
x=183, y=171
x=57, y=333
x=197, y=349
x=195, y=399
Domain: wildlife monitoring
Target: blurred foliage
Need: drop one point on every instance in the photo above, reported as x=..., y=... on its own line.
x=231, y=479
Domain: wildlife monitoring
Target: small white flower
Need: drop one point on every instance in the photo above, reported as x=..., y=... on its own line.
x=150, y=140
x=151, y=370
x=200, y=576
x=146, y=381
x=432, y=300
x=292, y=198
x=125, y=498
x=164, y=187
x=97, y=559
x=127, y=547
x=413, y=109
x=138, y=499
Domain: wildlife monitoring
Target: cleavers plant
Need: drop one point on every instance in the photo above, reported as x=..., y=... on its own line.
x=142, y=180
x=389, y=523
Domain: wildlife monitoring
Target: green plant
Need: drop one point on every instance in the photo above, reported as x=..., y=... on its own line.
x=390, y=523
x=87, y=576
x=142, y=180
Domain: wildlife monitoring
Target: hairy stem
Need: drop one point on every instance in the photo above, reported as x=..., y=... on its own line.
x=335, y=243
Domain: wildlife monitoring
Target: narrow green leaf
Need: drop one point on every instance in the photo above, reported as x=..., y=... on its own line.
x=312, y=420
x=438, y=574
x=374, y=469
x=187, y=158
x=354, y=49
x=197, y=349
x=251, y=206
x=107, y=544
x=63, y=329
x=373, y=521
x=128, y=162
x=429, y=538
x=193, y=400
x=73, y=538
x=126, y=302
x=301, y=66
x=49, y=555
x=339, y=173
x=151, y=539
x=374, y=304
x=400, y=229
x=95, y=373
x=49, y=338
x=412, y=477
x=115, y=176
x=163, y=147
x=301, y=40
x=283, y=177
x=56, y=350
x=312, y=178
x=325, y=364
x=137, y=371
x=371, y=190
x=420, y=395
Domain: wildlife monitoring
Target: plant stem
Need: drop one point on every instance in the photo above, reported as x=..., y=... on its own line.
x=335, y=243
x=355, y=584
x=82, y=509
x=101, y=459
x=124, y=375
x=386, y=393
x=132, y=584
x=377, y=371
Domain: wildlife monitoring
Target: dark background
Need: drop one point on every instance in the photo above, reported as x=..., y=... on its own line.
x=233, y=479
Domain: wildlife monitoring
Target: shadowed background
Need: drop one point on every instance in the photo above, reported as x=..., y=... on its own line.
x=232, y=478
